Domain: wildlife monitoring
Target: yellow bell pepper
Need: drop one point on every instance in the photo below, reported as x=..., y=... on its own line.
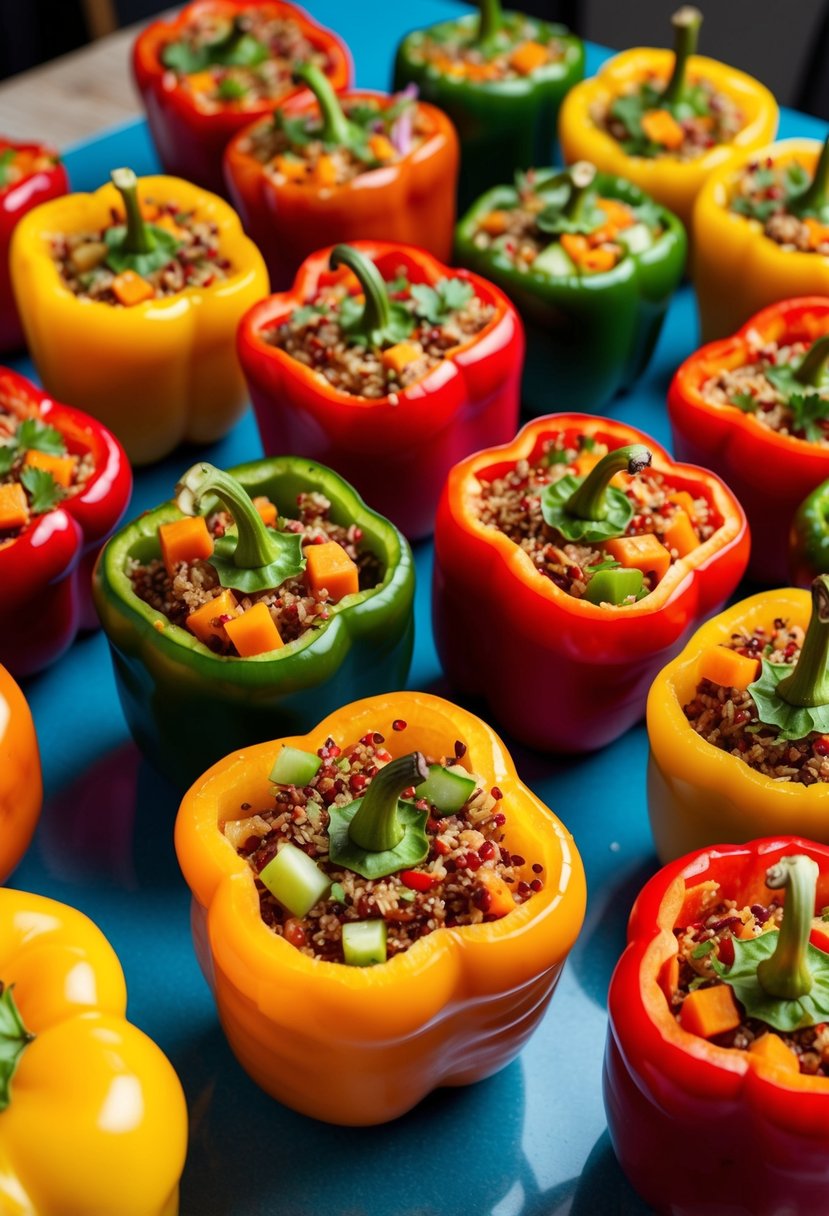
x=361, y=1045
x=160, y=371
x=737, y=270
x=699, y=794
x=21, y=784
x=93, y=1120
x=672, y=182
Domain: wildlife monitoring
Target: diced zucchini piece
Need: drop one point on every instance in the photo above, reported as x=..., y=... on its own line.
x=613, y=586
x=446, y=791
x=295, y=767
x=295, y=880
x=364, y=942
x=637, y=238
x=555, y=262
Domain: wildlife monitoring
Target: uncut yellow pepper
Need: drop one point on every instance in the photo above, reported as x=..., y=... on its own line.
x=158, y=372
x=96, y=1122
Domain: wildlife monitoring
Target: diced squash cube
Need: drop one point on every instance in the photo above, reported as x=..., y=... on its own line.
x=291, y=168
x=501, y=898
x=206, y=622
x=771, y=1048
x=14, y=506
x=710, y=1011
x=529, y=56
x=254, y=632
x=62, y=468
x=396, y=358
x=681, y=498
x=618, y=215
x=167, y=224
x=267, y=511
x=325, y=171
x=643, y=553
x=726, y=667
x=661, y=127
x=681, y=534
x=494, y=223
x=184, y=540
x=597, y=260
x=381, y=147
x=202, y=82
x=575, y=246
x=328, y=566
x=130, y=289
x=818, y=232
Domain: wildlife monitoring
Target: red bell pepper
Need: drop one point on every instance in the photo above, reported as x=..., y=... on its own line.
x=396, y=449
x=770, y=472
x=562, y=673
x=701, y=1129
x=46, y=568
x=190, y=133
x=29, y=175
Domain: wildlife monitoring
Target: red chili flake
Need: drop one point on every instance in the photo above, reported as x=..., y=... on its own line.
x=442, y=847
x=725, y=951
x=460, y=749
x=416, y=880
x=496, y=794
x=398, y=724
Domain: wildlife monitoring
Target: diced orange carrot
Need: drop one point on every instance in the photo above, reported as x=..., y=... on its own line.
x=184, y=540
x=710, y=1011
x=698, y=902
x=681, y=498
x=254, y=632
x=771, y=1048
x=293, y=169
x=381, y=147
x=14, y=505
x=479, y=71
x=723, y=666
x=601, y=259
x=643, y=553
x=395, y=358
x=329, y=566
x=206, y=622
x=529, y=56
x=168, y=224
x=618, y=215
x=818, y=232
x=680, y=533
x=149, y=212
x=494, y=222
x=202, y=82
x=62, y=468
x=501, y=898
x=744, y=932
x=325, y=171
x=130, y=289
x=585, y=462
x=668, y=978
x=575, y=246
x=661, y=127
x=267, y=511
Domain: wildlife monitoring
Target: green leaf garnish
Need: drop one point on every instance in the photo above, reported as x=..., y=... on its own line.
x=44, y=492
x=7, y=158
x=231, y=89
x=792, y=721
x=301, y=316
x=703, y=948
x=783, y=1015
x=377, y=322
x=808, y=411
x=378, y=834
x=119, y=259
x=14, y=1038
x=436, y=304
x=588, y=508
x=287, y=562
x=746, y=402
x=8, y=455
x=36, y=436
x=232, y=47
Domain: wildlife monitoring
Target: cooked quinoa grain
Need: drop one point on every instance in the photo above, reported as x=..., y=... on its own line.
x=35, y=461
x=641, y=124
x=763, y=193
x=521, y=47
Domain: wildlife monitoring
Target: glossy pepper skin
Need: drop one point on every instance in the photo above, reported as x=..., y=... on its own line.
x=190, y=140
x=412, y=201
x=46, y=179
x=362, y=1045
x=185, y=705
x=736, y=269
x=770, y=473
x=588, y=336
x=97, y=1121
x=809, y=538
x=698, y=793
x=700, y=1130
x=503, y=125
x=395, y=450
x=21, y=784
x=102, y=358
x=563, y=674
x=672, y=182
x=45, y=571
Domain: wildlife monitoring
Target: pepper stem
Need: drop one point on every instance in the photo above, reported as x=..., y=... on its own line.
x=14, y=1038
x=376, y=827
x=816, y=195
x=336, y=128
x=813, y=369
x=582, y=175
x=686, y=22
x=138, y=238
x=376, y=313
x=589, y=501
x=808, y=685
x=255, y=546
x=490, y=20
x=786, y=975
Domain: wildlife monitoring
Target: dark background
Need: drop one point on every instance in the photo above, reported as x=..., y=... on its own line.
x=784, y=45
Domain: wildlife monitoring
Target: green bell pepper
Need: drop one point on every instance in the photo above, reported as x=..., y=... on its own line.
x=187, y=706
x=590, y=333
x=505, y=115
x=809, y=538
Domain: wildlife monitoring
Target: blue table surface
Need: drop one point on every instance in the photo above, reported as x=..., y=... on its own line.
x=531, y=1140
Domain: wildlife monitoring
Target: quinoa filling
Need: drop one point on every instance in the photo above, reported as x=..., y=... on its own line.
x=764, y=191
x=521, y=47
x=16, y=164
x=468, y=877
x=37, y=472
x=639, y=121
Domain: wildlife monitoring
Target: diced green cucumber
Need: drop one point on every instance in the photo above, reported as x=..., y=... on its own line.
x=637, y=238
x=364, y=942
x=613, y=586
x=555, y=262
x=295, y=767
x=446, y=791
x=295, y=880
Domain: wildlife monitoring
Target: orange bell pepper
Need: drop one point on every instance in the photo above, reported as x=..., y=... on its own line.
x=355, y=1045
x=21, y=785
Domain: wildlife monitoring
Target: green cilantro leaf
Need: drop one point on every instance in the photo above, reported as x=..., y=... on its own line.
x=746, y=402
x=792, y=721
x=231, y=89
x=36, y=436
x=808, y=411
x=8, y=455
x=119, y=260
x=44, y=492
x=183, y=58
x=301, y=316
x=7, y=157
x=436, y=304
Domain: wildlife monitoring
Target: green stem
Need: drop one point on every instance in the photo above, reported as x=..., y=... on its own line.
x=255, y=545
x=490, y=20
x=376, y=311
x=816, y=195
x=14, y=1038
x=336, y=128
x=582, y=175
x=808, y=685
x=813, y=369
x=138, y=238
x=589, y=501
x=686, y=22
x=376, y=826
x=786, y=975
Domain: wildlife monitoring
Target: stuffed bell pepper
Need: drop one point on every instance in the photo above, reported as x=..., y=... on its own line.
x=388, y=365
x=591, y=263
x=501, y=77
x=215, y=66
x=569, y=565
x=716, y=1077
x=21, y=784
x=739, y=726
x=130, y=298
x=30, y=174
x=248, y=604
x=343, y=168
x=666, y=119
x=64, y=486
x=761, y=233
x=755, y=408
x=381, y=906
x=92, y=1116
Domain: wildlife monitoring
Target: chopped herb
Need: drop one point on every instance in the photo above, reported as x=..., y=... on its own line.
x=824, y=913
x=808, y=411
x=703, y=948
x=301, y=316
x=406, y=896
x=36, y=436
x=587, y=443
x=43, y=490
x=556, y=456
x=231, y=90
x=7, y=157
x=746, y=402
x=436, y=304
x=337, y=893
